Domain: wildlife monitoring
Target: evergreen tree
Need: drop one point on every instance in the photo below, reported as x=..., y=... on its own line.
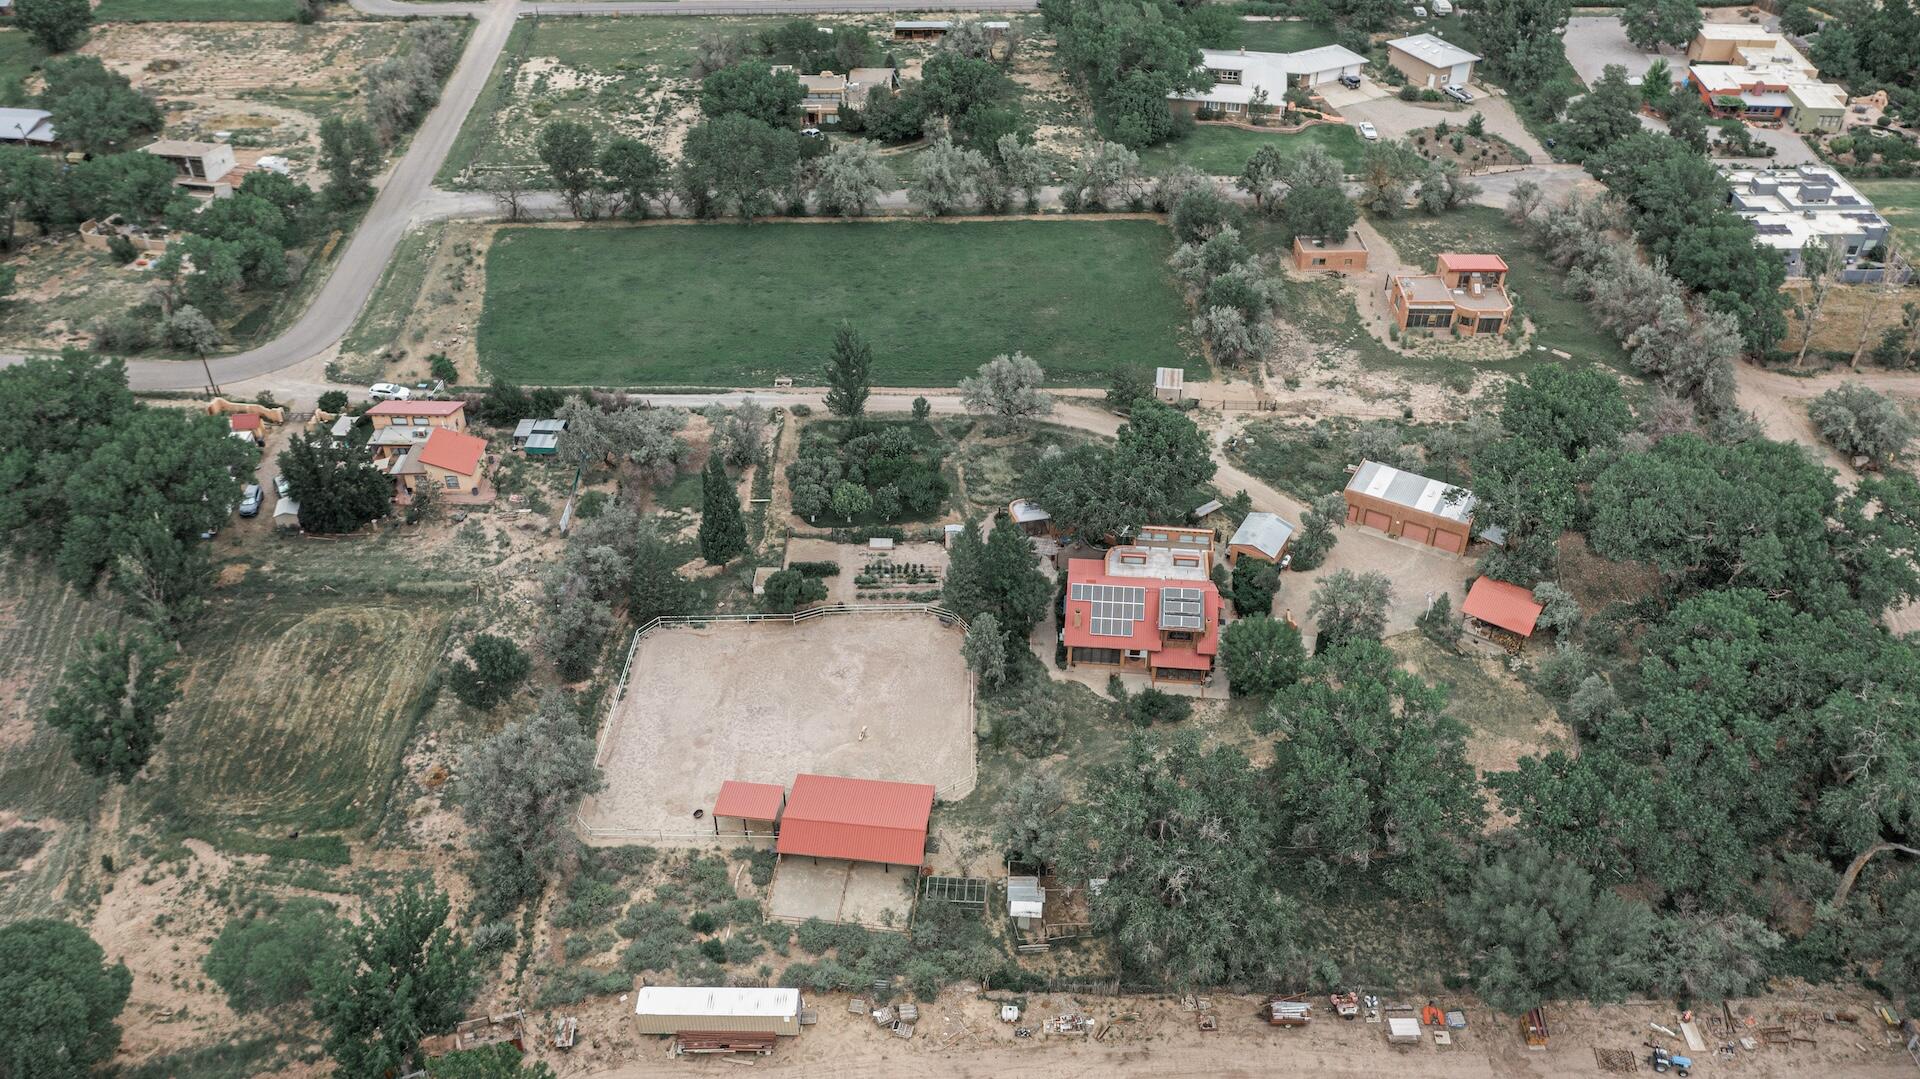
x=337, y=487
x=849, y=374
x=407, y=976
x=111, y=700
x=986, y=650
x=999, y=576
x=655, y=589
x=723, y=532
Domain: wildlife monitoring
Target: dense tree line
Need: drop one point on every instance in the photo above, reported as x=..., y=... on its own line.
x=1130, y=56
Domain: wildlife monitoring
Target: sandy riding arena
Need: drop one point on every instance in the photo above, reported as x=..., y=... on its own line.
x=872, y=696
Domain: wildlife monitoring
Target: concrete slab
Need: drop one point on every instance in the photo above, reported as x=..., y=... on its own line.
x=1593, y=42
x=856, y=893
x=1341, y=98
x=1395, y=118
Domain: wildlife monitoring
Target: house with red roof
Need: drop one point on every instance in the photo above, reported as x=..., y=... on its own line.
x=249, y=426
x=856, y=820
x=398, y=426
x=1150, y=609
x=452, y=462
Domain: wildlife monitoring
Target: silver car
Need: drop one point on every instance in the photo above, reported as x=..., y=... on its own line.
x=1459, y=93
x=250, y=500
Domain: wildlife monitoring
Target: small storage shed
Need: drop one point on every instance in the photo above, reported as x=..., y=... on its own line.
x=1032, y=520
x=1410, y=506
x=748, y=808
x=1170, y=384
x=544, y=434
x=1502, y=605
x=1026, y=900
x=1318, y=255
x=1263, y=536
x=670, y=1009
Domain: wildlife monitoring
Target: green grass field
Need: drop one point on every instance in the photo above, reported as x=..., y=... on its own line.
x=1539, y=288
x=1223, y=151
x=19, y=56
x=297, y=711
x=740, y=304
x=1899, y=202
x=44, y=624
x=196, y=11
x=1282, y=36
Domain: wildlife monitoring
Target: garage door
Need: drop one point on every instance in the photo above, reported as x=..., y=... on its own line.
x=1418, y=533
x=1451, y=542
x=1376, y=519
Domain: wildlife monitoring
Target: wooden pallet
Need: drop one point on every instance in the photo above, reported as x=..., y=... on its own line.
x=723, y=1041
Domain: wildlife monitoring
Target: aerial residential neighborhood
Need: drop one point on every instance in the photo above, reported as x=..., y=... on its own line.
x=618, y=538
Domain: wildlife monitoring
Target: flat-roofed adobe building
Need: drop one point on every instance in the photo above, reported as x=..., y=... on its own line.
x=1410, y=506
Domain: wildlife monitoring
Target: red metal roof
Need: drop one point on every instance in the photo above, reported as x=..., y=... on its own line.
x=416, y=408
x=862, y=820
x=1508, y=606
x=749, y=801
x=244, y=421
x=1472, y=263
x=1146, y=632
x=453, y=451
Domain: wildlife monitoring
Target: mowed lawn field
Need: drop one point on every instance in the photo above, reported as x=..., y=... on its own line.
x=295, y=713
x=1223, y=151
x=196, y=11
x=678, y=305
x=1899, y=202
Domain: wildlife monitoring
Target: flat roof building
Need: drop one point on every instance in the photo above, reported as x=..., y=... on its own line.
x=1238, y=75
x=1410, y=506
x=1790, y=206
x=672, y=1009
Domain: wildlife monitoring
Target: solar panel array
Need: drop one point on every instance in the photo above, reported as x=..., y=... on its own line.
x=1181, y=608
x=1116, y=607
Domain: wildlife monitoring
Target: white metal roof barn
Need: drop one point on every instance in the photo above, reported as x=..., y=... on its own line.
x=671, y=1009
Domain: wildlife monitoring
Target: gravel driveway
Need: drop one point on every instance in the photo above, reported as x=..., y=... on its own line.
x=1593, y=42
x=1395, y=118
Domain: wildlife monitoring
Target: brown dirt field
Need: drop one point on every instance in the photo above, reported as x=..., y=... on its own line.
x=868, y=696
x=1840, y=317
x=959, y=1036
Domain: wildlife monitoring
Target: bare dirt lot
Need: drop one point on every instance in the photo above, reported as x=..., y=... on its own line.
x=959, y=1035
x=861, y=893
x=868, y=696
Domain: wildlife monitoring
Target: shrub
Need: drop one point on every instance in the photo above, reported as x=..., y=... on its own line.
x=442, y=367
x=334, y=401
x=263, y=959
x=802, y=409
x=789, y=589
x=1151, y=706
x=701, y=922
x=815, y=569
x=18, y=844
x=493, y=669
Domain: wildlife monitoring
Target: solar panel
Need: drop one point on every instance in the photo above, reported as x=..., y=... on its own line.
x=1182, y=608
x=1116, y=608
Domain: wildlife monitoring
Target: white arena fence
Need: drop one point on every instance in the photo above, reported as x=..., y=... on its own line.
x=695, y=621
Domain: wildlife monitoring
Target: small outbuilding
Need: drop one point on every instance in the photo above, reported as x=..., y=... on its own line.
x=1025, y=899
x=674, y=1009
x=1410, y=506
x=34, y=126
x=750, y=809
x=1030, y=518
x=1263, y=536
x=249, y=425
x=1317, y=255
x=921, y=29
x=1170, y=384
x=286, y=514
x=1503, y=606
x=857, y=820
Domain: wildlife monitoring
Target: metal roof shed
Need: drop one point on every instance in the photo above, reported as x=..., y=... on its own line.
x=1498, y=603
x=542, y=445
x=670, y=1009
x=1262, y=535
x=860, y=820
x=750, y=801
x=1025, y=897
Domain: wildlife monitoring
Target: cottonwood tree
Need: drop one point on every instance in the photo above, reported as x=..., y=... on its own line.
x=489, y=673
x=1016, y=166
x=1444, y=188
x=852, y=178
x=166, y=466
x=64, y=1000
x=1521, y=38
x=337, y=488
x=1651, y=24
x=1348, y=607
x=633, y=172
x=752, y=89
x=406, y=976
x=735, y=162
x=164, y=578
x=1178, y=834
x=723, y=532
x=849, y=373
x=1262, y=655
x=268, y=958
x=1262, y=175
x=96, y=109
x=1372, y=768
x=567, y=149
x=110, y=701
x=487, y=1062
x=1317, y=211
x=350, y=156
x=519, y=789
x=54, y=25
x=1387, y=173
x=1702, y=956
x=1537, y=928
x=1008, y=388
x=1317, y=537
x=1820, y=264
x=1152, y=471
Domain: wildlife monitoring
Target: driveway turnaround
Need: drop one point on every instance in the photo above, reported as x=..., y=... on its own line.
x=1593, y=42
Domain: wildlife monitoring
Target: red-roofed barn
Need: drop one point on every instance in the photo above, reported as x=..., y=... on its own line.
x=857, y=820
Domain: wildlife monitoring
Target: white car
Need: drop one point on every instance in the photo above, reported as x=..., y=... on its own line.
x=1443, y=7
x=1419, y=12
x=1367, y=131
x=1459, y=93
x=281, y=486
x=387, y=391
